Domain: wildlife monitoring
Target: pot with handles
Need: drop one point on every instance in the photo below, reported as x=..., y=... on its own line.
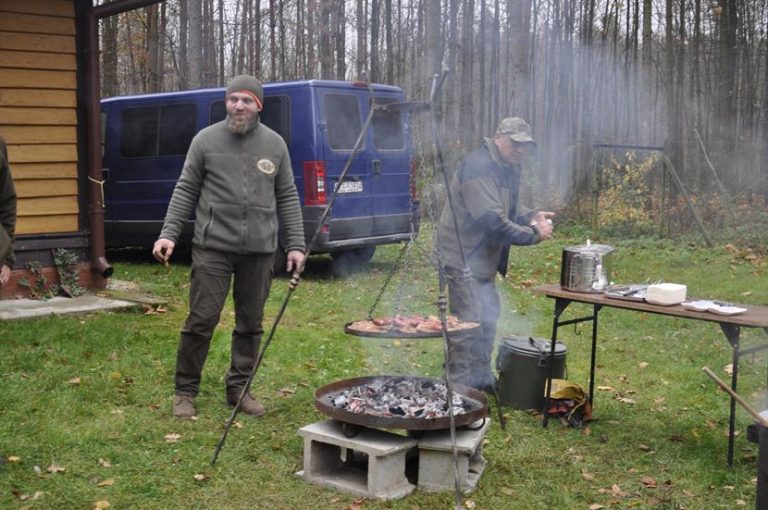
x=586, y=267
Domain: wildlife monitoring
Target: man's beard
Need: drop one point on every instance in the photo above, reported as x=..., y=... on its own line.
x=241, y=126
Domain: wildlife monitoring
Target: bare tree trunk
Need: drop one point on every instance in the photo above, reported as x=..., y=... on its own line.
x=482, y=83
x=281, y=21
x=339, y=27
x=375, y=75
x=221, y=43
x=311, y=68
x=466, y=111
x=184, y=69
x=255, y=65
x=273, y=50
x=195, y=10
x=390, y=58
x=362, y=39
x=109, y=81
x=326, y=54
x=153, y=72
x=519, y=99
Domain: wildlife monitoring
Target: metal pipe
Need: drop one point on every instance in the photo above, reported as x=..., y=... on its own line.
x=99, y=262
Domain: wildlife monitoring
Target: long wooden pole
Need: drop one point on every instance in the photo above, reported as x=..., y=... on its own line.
x=761, y=420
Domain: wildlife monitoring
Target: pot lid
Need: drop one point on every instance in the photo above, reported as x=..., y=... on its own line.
x=599, y=249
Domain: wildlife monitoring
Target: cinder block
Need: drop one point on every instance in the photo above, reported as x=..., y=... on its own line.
x=371, y=464
x=436, y=466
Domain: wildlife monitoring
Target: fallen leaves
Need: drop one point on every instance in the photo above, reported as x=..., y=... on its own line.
x=55, y=468
x=172, y=438
x=101, y=505
x=200, y=477
x=109, y=482
x=74, y=381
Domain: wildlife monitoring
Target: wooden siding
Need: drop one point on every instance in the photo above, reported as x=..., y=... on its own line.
x=38, y=120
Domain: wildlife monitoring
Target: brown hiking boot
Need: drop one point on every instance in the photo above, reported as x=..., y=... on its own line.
x=249, y=405
x=184, y=406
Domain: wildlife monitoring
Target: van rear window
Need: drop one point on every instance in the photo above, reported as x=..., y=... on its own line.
x=275, y=114
x=157, y=130
x=387, y=128
x=342, y=118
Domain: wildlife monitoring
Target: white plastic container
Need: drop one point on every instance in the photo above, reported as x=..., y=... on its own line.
x=665, y=294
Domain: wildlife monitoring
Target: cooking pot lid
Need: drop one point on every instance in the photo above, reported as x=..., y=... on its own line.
x=599, y=249
x=526, y=345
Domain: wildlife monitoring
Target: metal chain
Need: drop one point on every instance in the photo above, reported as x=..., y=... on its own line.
x=389, y=277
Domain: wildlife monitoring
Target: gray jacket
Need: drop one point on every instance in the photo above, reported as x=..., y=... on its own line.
x=239, y=187
x=484, y=191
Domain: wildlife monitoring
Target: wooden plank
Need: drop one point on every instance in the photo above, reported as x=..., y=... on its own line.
x=43, y=170
x=48, y=224
x=48, y=7
x=37, y=60
x=53, y=98
x=39, y=42
x=34, y=24
x=32, y=79
x=41, y=153
x=47, y=206
x=26, y=188
x=37, y=116
x=39, y=134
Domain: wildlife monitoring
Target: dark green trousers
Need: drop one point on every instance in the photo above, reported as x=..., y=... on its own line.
x=476, y=300
x=211, y=275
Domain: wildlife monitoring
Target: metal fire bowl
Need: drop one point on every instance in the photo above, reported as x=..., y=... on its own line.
x=478, y=407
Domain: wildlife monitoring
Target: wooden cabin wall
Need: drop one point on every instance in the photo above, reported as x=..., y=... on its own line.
x=38, y=116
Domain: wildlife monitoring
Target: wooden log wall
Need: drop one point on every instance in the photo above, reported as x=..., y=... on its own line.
x=38, y=116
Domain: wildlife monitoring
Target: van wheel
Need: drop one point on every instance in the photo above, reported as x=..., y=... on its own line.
x=346, y=262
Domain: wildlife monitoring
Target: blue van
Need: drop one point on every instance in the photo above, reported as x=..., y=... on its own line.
x=145, y=139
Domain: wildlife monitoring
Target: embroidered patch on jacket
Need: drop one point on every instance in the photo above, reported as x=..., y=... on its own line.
x=266, y=166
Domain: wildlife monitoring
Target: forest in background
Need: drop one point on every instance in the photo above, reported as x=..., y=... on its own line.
x=618, y=92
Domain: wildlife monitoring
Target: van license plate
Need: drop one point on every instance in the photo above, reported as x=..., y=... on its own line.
x=351, y=187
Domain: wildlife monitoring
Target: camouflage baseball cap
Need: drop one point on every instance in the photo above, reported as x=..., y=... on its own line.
x=517, y=129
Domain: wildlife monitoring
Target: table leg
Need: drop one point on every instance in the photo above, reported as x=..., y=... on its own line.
x=590, y=397
x=732, y=334
x=560, y=306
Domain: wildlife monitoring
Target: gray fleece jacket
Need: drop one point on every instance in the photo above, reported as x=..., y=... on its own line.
x=484, y=191
x=239, y=187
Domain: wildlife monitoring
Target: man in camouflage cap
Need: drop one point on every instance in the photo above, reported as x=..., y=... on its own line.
x=484, y=195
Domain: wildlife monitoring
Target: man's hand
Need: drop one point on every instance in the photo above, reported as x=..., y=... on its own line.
x=294, y=260
x=163, y=249
x=543, y=222
x=543, y=216
x=5, y=274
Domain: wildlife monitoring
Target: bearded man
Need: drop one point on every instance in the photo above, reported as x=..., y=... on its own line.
x=237, y=178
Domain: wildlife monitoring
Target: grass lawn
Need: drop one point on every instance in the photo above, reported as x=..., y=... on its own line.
x=85, y=401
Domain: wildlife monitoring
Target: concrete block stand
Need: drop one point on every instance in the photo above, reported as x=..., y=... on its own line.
x=436, y=466
x=370, y=464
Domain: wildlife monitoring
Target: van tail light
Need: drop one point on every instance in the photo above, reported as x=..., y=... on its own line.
x=412, y=180
x=314, y=183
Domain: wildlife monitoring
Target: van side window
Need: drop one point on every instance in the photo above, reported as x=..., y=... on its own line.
x=178, y=125
x=275, y=114
x=152, y=130
x=387, y=128
x=342, y=119
x=139, y=134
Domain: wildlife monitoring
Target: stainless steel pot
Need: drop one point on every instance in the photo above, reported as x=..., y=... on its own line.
x=585, y=268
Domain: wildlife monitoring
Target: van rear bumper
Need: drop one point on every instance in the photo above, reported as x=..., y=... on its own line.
x=346, y=233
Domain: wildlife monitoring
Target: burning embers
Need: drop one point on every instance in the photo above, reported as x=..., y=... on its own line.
x=399, y=397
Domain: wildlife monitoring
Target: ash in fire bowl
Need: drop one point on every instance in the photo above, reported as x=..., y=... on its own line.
x=400, y=397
